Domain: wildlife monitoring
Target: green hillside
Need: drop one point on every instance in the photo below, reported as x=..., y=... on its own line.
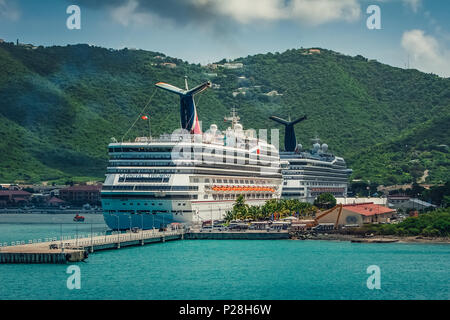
x=59, y=107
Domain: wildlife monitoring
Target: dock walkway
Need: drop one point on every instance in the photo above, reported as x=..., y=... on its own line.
x=76, y=250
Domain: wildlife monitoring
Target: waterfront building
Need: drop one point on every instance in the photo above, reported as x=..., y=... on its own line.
x=382, y=201
x=405, y=203
x=359, y=214
x=14, y=198
x=81, y=194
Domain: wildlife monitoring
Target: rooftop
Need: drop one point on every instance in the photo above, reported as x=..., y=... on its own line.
x=96, y=187
x=368, y=209
x=14, y=192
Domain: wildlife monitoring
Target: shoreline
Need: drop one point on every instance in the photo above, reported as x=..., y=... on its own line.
x=380, y=239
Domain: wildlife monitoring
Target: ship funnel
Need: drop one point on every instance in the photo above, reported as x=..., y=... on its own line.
x=290, y=142
x=188, y=111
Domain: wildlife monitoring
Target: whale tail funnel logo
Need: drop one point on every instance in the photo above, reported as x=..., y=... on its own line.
x=188, y=111
x=290, y=141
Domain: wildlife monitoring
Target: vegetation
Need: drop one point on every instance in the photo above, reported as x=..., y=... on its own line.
x=432, y=224
x=325, y=201
x=59, y=107
x=272, y=209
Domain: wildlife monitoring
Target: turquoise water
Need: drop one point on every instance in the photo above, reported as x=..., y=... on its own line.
x=234, y=269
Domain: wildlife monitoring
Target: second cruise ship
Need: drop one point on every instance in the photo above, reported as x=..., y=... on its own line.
x=308, y=173
x=188, y=176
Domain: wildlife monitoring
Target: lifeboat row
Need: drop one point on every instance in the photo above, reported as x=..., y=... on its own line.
x=239, y=189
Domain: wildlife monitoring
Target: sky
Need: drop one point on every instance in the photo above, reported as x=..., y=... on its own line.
x=414, y=33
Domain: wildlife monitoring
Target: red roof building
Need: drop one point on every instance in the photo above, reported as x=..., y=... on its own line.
x=14, y=197
x=55, y=202
x=368, y=209
x=359, y=214
x=81, y=194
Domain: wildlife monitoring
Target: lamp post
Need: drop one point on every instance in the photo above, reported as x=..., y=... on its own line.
x=129, y=217
x=118, y=222
x=153, y=225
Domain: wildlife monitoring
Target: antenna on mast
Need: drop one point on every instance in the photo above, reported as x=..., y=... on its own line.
x=234, y=118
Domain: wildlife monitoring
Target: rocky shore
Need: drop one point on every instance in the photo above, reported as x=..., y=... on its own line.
x=372, y=239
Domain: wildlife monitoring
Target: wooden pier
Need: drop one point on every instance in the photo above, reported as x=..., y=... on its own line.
x=76, y=250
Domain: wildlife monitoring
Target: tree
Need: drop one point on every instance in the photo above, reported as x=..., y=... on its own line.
x=325, y=201
x=240, y=208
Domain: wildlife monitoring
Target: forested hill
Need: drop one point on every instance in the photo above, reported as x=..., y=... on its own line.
x=59, y=107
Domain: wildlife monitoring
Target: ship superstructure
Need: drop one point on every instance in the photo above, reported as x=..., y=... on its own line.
x=188, y=176
x=308, y=173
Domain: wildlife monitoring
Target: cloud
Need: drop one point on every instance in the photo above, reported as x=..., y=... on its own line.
x=127, y=14
x=9, y=10
x=316, y=12
x=426, y=52
x=224, y=13
x=414, y=5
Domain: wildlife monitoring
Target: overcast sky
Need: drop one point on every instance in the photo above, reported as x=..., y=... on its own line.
x=202, y=31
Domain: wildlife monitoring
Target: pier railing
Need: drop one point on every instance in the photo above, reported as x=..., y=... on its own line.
x=96, y=238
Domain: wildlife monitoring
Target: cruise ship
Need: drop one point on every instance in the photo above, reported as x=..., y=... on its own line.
x=308, y=173
x=188, y=176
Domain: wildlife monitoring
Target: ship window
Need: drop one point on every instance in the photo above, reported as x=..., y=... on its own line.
x=206, y=180
x=225, y=181
x=205, y=196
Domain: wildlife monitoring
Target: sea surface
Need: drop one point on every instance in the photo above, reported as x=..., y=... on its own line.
x=224, y=269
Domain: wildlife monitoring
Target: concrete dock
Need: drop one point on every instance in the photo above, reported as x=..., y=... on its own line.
x=76, y=250
x=238, y=235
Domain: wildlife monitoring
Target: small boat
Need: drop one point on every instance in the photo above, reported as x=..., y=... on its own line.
x=78, y=218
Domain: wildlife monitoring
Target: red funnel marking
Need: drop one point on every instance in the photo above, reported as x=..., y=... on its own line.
x=197, y=129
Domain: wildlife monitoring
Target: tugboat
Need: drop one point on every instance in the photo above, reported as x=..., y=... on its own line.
x=78, y=218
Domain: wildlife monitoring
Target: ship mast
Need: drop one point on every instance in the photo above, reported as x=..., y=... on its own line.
x=234, y=118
